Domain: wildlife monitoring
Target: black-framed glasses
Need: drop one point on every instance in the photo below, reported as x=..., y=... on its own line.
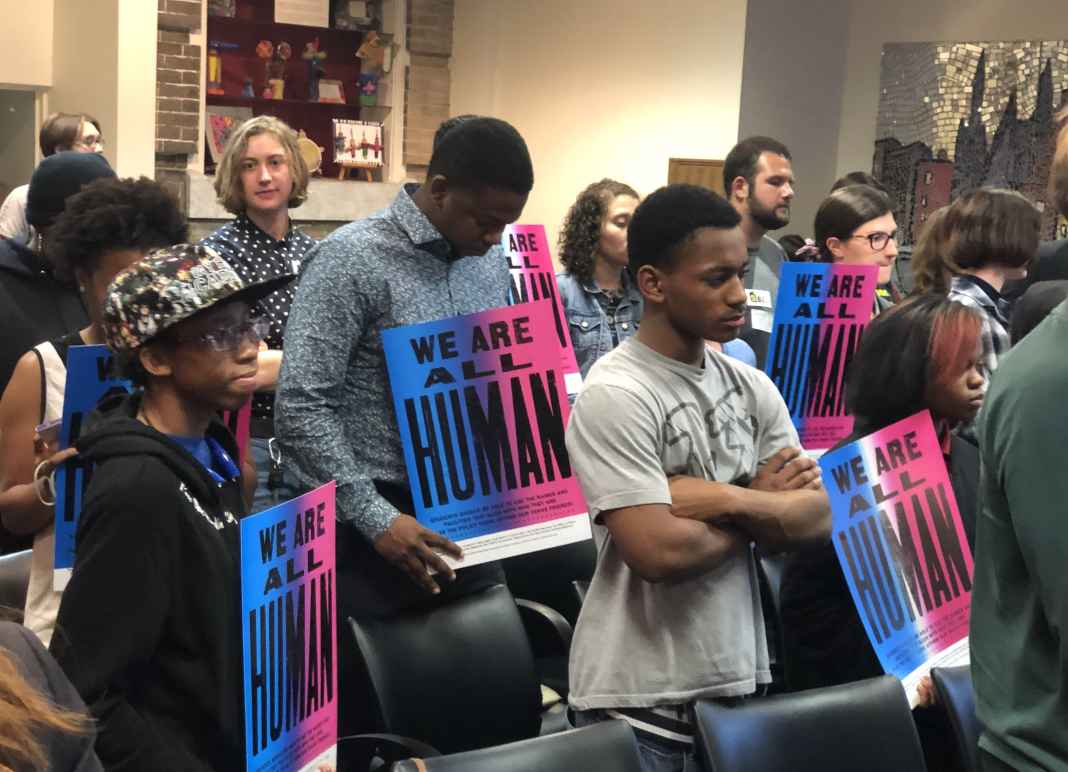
x=225, y=339
x=878, y=240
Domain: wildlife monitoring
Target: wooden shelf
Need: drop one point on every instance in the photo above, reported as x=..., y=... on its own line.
x=240, y=101
x=236, y=40
x=223, y=24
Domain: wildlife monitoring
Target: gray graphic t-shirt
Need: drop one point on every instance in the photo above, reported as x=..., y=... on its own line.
x=639, y=419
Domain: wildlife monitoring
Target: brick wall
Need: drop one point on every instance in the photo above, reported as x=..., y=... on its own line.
x=427, y=79
x=177, y=95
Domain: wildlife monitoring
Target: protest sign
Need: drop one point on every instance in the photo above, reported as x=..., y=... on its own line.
x=899, y=537
x=533, y=278
x=89, y=380
x=481, y=409
x=289, y=629
x=239, y=422
x=820, y=313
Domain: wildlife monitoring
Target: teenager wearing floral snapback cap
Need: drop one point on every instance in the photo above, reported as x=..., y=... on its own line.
x=148, y=630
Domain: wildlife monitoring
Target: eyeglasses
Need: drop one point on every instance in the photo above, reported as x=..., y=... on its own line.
x=226, y=339
x=91, y=143
x=878, y=241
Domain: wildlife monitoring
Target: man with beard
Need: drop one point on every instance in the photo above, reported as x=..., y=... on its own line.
x=759, y=180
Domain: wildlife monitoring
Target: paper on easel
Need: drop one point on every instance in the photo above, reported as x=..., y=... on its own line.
x=309, y=13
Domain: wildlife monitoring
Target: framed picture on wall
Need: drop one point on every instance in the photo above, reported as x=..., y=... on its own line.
x=357, y=143
x=219, y=124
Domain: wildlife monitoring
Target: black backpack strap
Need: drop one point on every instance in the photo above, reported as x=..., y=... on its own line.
x=44, y=384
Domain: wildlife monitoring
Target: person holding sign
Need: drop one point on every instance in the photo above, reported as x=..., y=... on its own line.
x=261, y=176
x=685, y=456
x=150, y=621
x=855, y=224
x=106, y=228
x=758, y=178
x=923, y=354
x=35, y=303
x=434, y=253
x=600, y=300
x=1020, y=602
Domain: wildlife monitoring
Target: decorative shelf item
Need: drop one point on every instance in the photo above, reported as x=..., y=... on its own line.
x=256, y=71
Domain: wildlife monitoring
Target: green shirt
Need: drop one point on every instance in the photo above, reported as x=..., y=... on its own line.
x=1019, y=623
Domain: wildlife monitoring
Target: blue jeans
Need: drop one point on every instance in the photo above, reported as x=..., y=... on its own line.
x=283, y=489
x=655, y=756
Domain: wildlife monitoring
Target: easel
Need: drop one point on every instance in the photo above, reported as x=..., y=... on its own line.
x=343, y=170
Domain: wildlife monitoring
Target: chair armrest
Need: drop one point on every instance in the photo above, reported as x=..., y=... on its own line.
x=357, y=753
x=534, y=613
x=581, y=587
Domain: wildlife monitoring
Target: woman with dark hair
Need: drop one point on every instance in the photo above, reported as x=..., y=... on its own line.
x=984, y=239
x=923, y=354
x=601, y=302
x=855, y=224
x=105, y=228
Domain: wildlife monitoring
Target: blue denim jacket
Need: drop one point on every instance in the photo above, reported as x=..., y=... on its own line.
x=593, y=334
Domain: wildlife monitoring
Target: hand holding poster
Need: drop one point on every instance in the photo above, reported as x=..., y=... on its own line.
x=533, y=278
x=820, y=313
x=481, y=410
x=289, y=630
x=89, y=381
x=900, y=539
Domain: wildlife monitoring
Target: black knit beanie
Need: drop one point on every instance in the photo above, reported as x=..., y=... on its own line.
x=56, y=179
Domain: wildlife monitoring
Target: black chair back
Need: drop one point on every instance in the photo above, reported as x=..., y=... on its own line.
x=15, y=579
x=954, y=688
x=546, y=576
x=458, y=676
x=770, y=569
x=864, y=725
x=608, y=746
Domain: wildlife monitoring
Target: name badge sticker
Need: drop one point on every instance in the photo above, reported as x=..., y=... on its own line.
x=761, y=312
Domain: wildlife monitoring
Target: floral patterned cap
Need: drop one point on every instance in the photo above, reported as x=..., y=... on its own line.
x=169, y=285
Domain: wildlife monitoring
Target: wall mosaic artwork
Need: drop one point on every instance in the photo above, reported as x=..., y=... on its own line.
x=954, y=116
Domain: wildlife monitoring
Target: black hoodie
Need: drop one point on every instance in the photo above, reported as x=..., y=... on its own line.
x=34, y=306
x=148, y=629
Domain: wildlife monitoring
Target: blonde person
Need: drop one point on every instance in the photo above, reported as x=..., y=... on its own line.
x=43, y=722
x=260, y=178
x=61, y=131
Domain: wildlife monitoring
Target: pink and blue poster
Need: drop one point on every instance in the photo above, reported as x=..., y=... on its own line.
x=239, y=422
x=820, y=313
x=89, y=380
x=289, y=629
x=899, y=537
x=481, y=409
x=533, y=278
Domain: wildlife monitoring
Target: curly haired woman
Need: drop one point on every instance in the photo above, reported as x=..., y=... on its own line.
x=602, y=303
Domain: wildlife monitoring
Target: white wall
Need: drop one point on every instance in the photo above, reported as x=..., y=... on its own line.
x=792, y=83
x=602, y=88
x=105, y=65
x=26, y=43
x=86, y=63
x=135, y=139
x=875, y=22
